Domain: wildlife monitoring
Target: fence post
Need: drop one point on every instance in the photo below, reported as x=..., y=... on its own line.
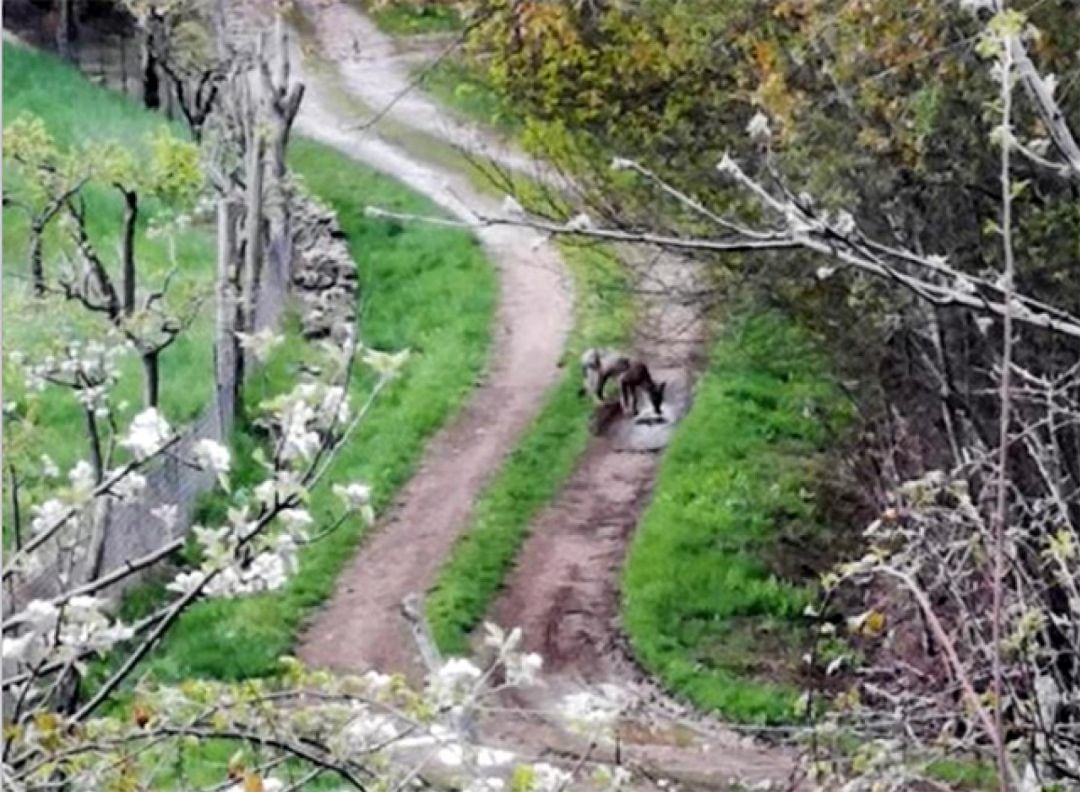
x=225, y=318
x=123, y=65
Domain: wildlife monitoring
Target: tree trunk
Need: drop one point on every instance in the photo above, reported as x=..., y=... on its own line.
x=16, y=516
x=150, y=79
x=65, y=28
x=96, y=458
x=151, y=378
x=131, y=215
x=37, y=265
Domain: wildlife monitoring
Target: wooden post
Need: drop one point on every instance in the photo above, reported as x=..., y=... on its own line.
x=225, y=346
x=123, y=65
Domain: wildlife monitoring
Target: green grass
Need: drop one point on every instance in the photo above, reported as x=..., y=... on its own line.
x=967, y=773
x=76, y=111
x=412, y=17
x=463, y=89
x=704, y=603
x=533, y=473
x=425, y=288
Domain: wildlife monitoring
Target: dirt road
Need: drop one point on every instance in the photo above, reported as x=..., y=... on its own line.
x=564, y=590
x=361, y=626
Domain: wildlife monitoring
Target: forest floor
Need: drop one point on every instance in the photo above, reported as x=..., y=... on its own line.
x=564, y=590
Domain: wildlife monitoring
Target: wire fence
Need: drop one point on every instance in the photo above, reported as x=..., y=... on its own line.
x=114, y=60
x=129, y=528
x=311, y=261
x=133, y=530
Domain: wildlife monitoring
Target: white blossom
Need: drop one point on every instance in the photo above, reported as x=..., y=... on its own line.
x=368, y=730
x=260, y=344
x=579, y=222
x=82, y=478
x=130, y=486
x=48, y=467
x=523, y=669
x=454, y=680
x=83, y=608
x=758, y=128
x=226, y=583
x=497, y=638
x=186, y=582
x=548, y=778
x=593, y=713
x=268, y=572
x=296, y=519
x=212, y=455
x=377, y=682
x=27, y=648
x=167, y=514
x=288, y=551
x=299, y=440
x=40, y=616
x=335, y=404
x=148, y=432
x=45, y=515
x=355, y=495
x=217, y=544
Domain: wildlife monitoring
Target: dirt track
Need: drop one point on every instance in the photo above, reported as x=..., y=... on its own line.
x=362, y=626
x=564, y=590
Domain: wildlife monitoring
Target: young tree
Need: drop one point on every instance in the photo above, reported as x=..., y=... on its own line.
x=173, y=177
x=46, y=179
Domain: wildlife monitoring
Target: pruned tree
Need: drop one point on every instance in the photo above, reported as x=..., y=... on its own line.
x=173, y=177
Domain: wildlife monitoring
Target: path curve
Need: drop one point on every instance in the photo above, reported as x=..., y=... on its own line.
x=564, y=590
x=361, y=626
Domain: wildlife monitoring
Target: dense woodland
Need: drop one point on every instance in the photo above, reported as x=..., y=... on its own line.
x=862, y=541
x=878, y=128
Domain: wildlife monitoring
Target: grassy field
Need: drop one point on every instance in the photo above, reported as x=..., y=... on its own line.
x=708, y=602
x=33, y=83
x=462, y=89
x=533, y=473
